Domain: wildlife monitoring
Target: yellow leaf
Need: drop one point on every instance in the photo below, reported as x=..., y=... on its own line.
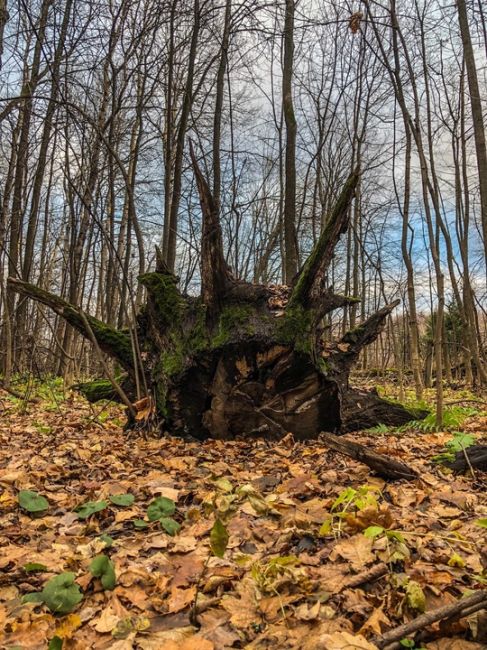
x=68, y=626
x=456, y=560
x=7, y=500
x=141, y=623
x=415, y=596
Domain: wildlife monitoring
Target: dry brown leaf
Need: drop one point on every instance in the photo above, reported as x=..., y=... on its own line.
x=273, y=607
x=356, y=549
x=107, y=620
x=346, y=641
x=157, y=573
x=161, y=640
x=371, y=516
x=184, y=544
x=375, y=622
x=196, y=642
x=306, y=612
x=180, y=598
x=243, y=610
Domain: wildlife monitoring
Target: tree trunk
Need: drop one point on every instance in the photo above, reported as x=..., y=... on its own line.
x=477, y=113
x=244, y=359
x=290, y=242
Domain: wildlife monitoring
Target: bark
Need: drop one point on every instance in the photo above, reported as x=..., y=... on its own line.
x=3, y=20
x=290, y=241
x=113, y=342
x=171, y=219
x=33, y=219
x=474, y=457
x=387, y=640
x=29, y=86
x=477, y=113
x=217, y=117
x=382, y=465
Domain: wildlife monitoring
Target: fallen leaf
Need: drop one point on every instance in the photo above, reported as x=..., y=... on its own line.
x=106, y=622
x=180, y=598
x=346, y=641
x=356, y=549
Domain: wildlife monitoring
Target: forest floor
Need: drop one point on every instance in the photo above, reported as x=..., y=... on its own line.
x=320, y=553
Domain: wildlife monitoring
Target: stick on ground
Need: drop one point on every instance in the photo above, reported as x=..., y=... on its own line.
x=447, y=611
x=383, y=465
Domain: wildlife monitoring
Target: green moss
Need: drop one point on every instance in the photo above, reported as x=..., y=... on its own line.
x=113, y=341
x=165, y=295
x=294, y=328
x=324, y=366
x=96, y=390
x=352, y=336
x=326, y=241
x=234, y=318
x=172, y=362
x=199, y=333
x=416, y=413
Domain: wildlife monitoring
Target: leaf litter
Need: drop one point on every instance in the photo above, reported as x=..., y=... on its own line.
x=113, y=542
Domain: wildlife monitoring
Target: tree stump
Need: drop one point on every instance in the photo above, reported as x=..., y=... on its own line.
x=243, y=359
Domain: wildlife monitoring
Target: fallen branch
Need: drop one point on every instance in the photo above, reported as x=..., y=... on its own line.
x=383, y=465
x=470, y=458
x=116, y=386
x=375, y=572
x=389, y=639
x=466, y=401
x=14, y=393
x=111, y=341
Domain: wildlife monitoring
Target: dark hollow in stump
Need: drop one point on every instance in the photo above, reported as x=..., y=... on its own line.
x=243, y=359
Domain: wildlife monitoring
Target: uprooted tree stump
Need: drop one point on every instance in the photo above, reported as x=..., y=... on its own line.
x=241, y=358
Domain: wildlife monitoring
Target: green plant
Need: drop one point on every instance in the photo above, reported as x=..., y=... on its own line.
x=122, y=499
x=102, y=567
x=379, y=429
x=89, y=508
x=34, y=567
x=161, y=510
x=271, y=575
x=170, y=525
x=160, y=507
x=453, y=418
x=459, y=442
x=397, y=548
x=411, y=644
x=42, y=428
x=139, y=524
x=219, y=538
x=349, y=499
x=61, y=594
x=33, y=502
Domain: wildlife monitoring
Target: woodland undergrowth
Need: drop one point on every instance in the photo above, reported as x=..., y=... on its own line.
x=110, y=540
